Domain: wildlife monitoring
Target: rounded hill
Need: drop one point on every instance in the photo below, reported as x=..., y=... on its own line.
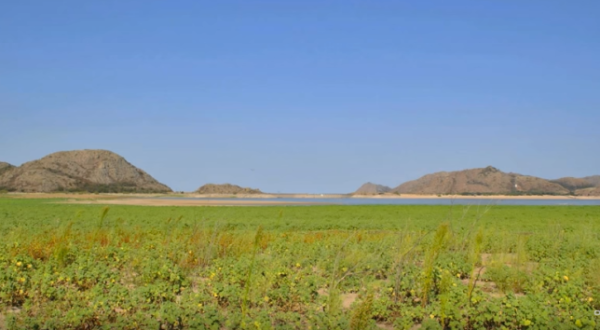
x=225, y=189
x=372, y=189
x=80, y=170
x=488, y=180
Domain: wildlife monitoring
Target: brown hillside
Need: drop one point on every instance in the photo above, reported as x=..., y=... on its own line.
x=573, y=183
x=372, y=189
x=593, y=180
x=225, y=189
x=487, y=180
x=4, y=167
x=594, y=191
x=80, y=170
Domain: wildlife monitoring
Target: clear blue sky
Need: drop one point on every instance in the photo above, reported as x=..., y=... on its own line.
x=304, y=96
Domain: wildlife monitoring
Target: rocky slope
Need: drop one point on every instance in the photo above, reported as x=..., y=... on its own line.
x=80, y=170
x=4, y=167
x=593, y=180
x=372, y=189
x=487, y=180
x=225, y=189
x=594, y=191
x=574, y=183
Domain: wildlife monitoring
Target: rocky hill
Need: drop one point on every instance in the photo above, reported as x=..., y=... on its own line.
x=372, y=189
x=487, y=180
x=4, y=167
x=80, y=170
x=574, y=183
x=593, y=180
x=594, y=191
x=226, y=188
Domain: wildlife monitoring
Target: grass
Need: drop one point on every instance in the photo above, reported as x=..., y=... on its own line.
x=298, y=267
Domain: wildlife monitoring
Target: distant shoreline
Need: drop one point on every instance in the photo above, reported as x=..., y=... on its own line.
x=390, y=196
x=298, y=196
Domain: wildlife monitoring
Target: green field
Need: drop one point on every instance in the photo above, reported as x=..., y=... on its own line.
x=302, y=267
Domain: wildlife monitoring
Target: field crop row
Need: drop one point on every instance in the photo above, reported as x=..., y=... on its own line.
x=303, y=267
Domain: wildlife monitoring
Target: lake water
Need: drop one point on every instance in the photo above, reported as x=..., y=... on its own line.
x=408, y=201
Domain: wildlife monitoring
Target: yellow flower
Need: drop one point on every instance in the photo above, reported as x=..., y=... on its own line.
x=458, y=275
x=590, y=299
x=566, y=278
x=298, y=265
x=431, y=316
x=19, y=264
x=266, y=299
x=200, y=305
x=29, y=266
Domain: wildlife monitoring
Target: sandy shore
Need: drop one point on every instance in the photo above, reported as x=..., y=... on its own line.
x=273, y=196
x=409, y=196
x=383, y=196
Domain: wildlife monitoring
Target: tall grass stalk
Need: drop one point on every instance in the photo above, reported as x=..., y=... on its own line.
x=474, y=257
x=248, y=283
x=432, y=254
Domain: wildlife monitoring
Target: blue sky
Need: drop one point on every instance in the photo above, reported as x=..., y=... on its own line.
x=304, y=96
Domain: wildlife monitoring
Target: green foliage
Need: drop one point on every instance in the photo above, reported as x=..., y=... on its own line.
x=321, y=267
x=361, y=316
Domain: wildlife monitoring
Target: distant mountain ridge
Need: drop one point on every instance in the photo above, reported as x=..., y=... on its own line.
x=225, y=188
x=80, y=170
x=492, y=181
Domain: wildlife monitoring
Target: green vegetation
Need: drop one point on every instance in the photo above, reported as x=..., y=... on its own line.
x=120, y=187
x=303, y=267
